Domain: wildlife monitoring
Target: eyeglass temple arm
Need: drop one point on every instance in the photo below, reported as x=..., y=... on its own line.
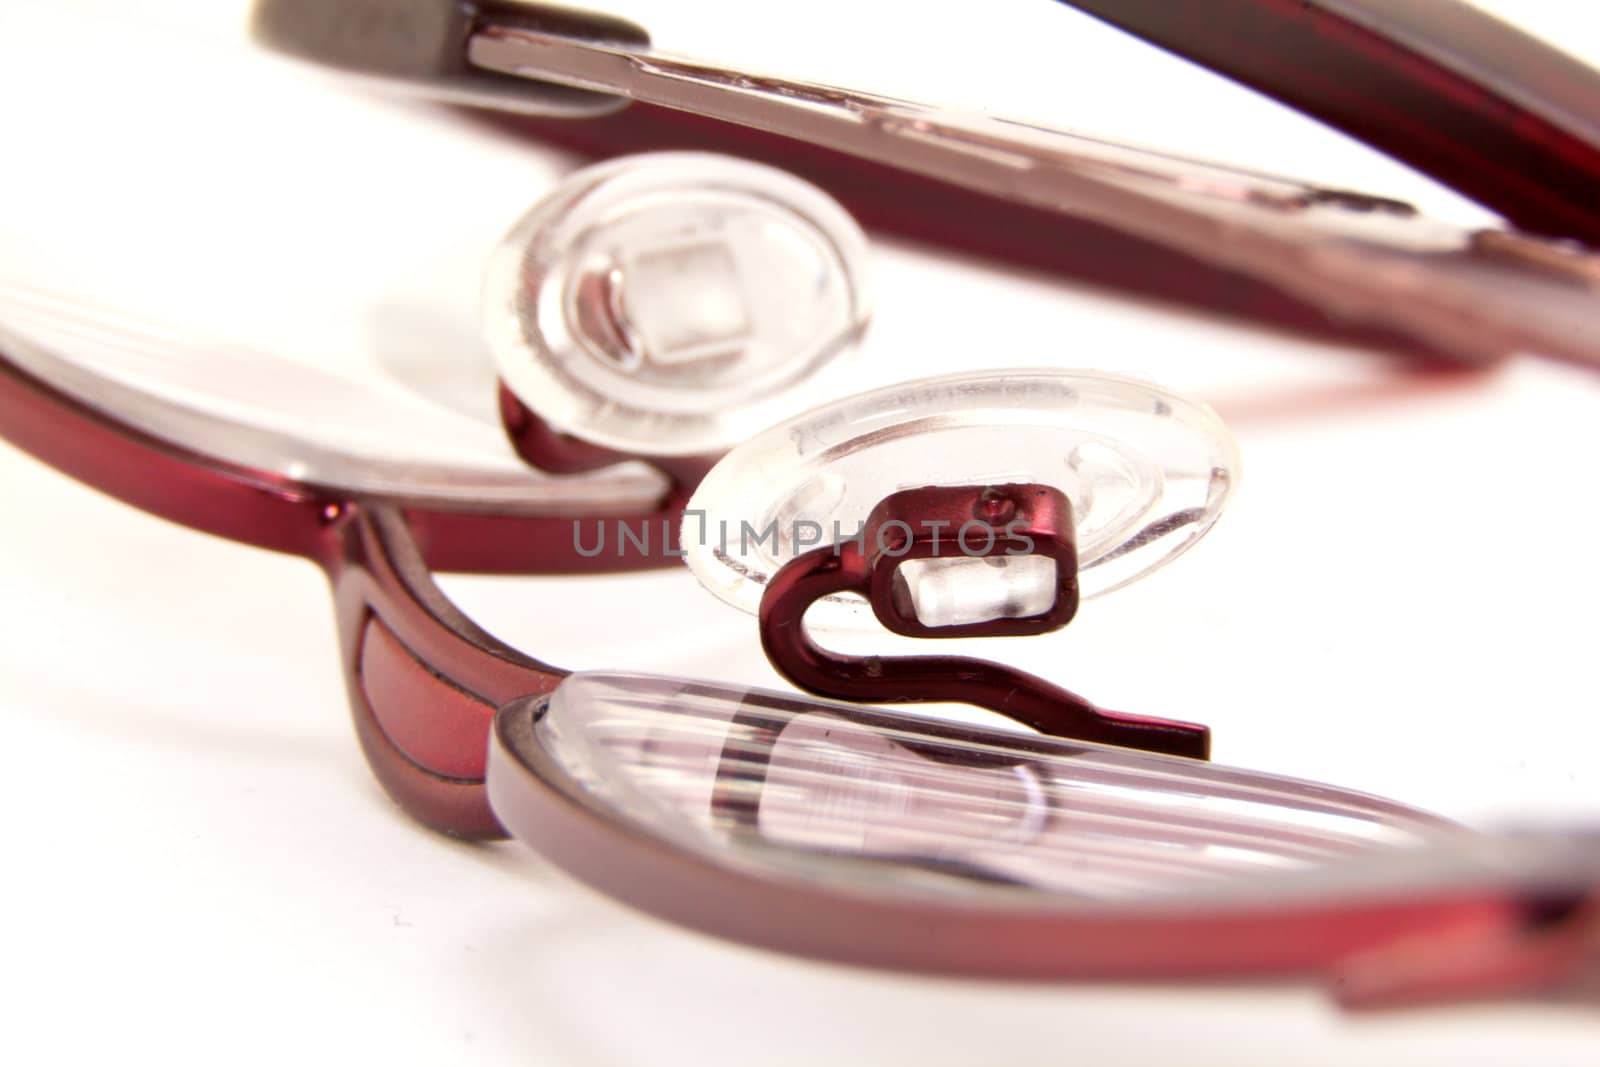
x=1027, y=699
x=548, y=449
x=1437, y=84
x=430, y=54
x=914, y=207
x=1350, y=258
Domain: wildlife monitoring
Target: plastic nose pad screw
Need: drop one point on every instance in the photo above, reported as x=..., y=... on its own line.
x=962, y=561
x=666, y=306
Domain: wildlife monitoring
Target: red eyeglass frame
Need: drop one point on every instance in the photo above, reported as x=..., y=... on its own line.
x=1466, y=99
x=1386, y=952
x=423, y=680
x=425, y=684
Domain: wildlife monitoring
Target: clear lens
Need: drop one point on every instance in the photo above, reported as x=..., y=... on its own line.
x=274, y=415
x=873, y=800
x=1147, y=473
x=673, y=303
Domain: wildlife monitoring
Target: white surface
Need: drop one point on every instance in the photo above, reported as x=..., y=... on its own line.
x=197, y=863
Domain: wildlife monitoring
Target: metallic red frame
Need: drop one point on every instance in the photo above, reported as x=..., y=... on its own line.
x=1436, y=84
x=1409, y=948
x=424, y=681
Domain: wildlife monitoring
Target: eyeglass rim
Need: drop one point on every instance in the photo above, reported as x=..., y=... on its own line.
x=1335, y=941
x=379, y=553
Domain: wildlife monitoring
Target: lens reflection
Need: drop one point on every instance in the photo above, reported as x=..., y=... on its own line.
x=830, y=792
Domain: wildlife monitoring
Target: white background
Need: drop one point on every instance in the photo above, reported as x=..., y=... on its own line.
x=196, y=861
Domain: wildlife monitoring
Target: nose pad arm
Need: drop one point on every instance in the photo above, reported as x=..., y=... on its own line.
x=906, y=527
x=544, y=447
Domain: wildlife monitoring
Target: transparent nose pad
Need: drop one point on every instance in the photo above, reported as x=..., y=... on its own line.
x=675, y=310
x=674, y=303
x=1141, y=472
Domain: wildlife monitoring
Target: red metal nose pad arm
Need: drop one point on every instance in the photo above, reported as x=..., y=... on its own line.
x=930, y=527
x=544, y=447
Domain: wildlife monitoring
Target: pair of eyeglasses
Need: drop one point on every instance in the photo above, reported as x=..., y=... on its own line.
x=644, y=317
x=1457, y=913
x=825, y=828
x=1100, y=845
x=1436, y=84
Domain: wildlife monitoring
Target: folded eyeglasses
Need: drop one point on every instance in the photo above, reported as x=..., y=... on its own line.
x=1095, y=844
